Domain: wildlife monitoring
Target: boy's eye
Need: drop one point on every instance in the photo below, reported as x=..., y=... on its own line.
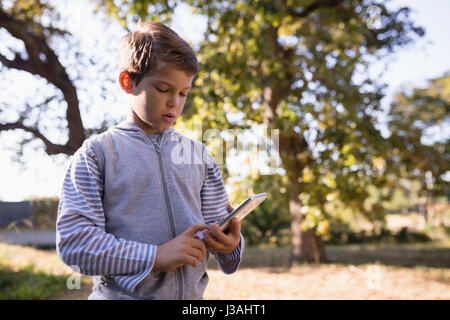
x=161, y=90
x=166, y=90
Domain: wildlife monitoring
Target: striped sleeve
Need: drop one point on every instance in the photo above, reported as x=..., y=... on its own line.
x=81, y=239
x=214, y=200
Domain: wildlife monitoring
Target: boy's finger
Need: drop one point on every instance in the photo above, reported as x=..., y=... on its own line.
x=196, y=253
x=199, y=244
x=196, y=242
x=211, y=242
x=229, y=208
x=192, y=260
x=235, y=228
x=192, y=230
x=218, y=234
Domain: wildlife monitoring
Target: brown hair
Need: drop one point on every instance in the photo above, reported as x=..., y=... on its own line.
x=153, y=43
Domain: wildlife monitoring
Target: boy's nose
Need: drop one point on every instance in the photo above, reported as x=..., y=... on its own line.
x=174, y=101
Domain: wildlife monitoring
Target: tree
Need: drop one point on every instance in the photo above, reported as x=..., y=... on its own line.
x=416, y=152
x=23, y=21
x=296, y=66
x=70, y=78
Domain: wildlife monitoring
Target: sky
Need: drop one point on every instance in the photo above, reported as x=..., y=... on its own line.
x=429, y=56
x=42, y=176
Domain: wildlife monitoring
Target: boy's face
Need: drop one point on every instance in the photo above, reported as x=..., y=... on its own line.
x=158, y=99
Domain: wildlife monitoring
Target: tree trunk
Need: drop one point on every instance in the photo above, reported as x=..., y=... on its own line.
x=312, y=247
x=296, y=233
x=305, y=245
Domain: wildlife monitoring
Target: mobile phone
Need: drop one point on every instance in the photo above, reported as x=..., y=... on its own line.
x=242, y=210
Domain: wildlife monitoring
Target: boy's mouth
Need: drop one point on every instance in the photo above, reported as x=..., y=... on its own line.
x=169, y=117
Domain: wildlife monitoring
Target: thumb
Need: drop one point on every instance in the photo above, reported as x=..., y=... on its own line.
x=192, y=230
x=235, y=229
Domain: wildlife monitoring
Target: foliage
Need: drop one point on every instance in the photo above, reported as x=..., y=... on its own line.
x=295, y=65
x=299, y=67
x=44, y=214
x=269, y=224
x=342, y=234
x=160, y=10
x=43, y=217
x=417, y=153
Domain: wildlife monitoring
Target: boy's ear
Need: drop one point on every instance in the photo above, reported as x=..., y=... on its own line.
x=125, y=81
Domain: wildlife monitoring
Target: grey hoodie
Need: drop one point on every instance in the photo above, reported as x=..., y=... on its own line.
x=151, y=189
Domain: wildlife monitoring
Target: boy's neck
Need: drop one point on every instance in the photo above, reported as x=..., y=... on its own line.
x=132, y=117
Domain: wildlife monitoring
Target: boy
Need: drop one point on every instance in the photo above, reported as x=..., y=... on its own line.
x=139, y=201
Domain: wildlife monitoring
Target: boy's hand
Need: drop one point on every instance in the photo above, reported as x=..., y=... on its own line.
x=221, y=242
x=181, y=250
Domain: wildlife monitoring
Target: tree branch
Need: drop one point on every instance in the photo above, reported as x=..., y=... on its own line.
x=44, y=62
x=17, y=63
x=51, y=148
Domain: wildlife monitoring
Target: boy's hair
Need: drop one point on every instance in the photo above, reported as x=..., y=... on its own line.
x=153, y=43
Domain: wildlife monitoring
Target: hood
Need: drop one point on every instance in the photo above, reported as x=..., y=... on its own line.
x=132, y=129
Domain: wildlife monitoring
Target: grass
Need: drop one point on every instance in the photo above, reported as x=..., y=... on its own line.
x=28, y=273
x=28, y=283
x=418, y=271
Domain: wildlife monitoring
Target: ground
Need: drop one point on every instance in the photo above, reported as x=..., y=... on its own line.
x=331, y=282
x=395, y=272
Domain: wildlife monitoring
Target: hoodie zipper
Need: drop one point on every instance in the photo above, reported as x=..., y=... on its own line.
x=178, y=272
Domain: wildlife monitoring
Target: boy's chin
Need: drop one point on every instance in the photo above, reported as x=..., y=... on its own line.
x=163, y=127
x=153, y=129
x=167, y=125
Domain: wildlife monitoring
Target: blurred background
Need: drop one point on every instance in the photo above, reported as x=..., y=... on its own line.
x=342, y=107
